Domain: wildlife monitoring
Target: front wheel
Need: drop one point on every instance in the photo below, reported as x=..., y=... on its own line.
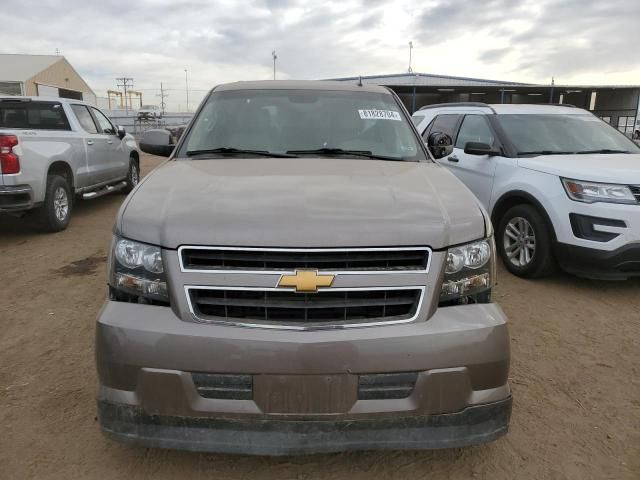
x=133, y=175
x=525, y=242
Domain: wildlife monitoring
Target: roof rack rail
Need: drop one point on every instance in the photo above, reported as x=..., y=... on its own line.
x=558, y=105
x=14, y=99
x=456, y=104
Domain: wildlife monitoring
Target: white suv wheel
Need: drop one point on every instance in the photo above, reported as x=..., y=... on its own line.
x=519, y=242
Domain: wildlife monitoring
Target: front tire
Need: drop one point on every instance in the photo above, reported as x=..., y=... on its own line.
x=55, y=214
x=525, y=242
x=133, y=175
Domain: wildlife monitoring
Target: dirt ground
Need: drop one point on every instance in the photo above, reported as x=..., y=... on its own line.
x=575, y=377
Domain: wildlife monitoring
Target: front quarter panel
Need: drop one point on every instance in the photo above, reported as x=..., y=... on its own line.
x=130, y=143
x=545, y=188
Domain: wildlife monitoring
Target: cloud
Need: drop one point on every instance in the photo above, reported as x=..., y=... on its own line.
x=540, y=39
x=494, y=54
x=225, y=40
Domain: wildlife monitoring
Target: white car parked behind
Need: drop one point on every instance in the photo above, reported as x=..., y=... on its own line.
x=561, y=185
x=149, y=112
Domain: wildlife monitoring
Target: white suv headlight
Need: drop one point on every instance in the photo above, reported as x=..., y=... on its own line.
x=591, y=192
x=470, y=270
x=137, y=272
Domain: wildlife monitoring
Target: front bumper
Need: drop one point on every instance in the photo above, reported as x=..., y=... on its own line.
x=305, y=384
x=15, y=197
x=561, y=209
x=618, y=264
x=474, y=425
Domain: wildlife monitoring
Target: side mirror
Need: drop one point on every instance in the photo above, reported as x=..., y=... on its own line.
x=440, y=145
x=121, y=132
x=479, y=148
x=157, y=142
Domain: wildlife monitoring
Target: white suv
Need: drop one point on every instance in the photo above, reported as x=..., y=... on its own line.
x=560, y=184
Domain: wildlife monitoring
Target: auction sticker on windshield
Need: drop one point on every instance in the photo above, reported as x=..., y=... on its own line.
x=379, y=115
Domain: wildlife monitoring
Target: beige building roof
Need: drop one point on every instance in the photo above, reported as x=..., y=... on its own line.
x=35, y=71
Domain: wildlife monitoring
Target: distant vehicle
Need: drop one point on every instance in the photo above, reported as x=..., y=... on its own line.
x=52, y=149
x=301, y=277
x=149, y=112
x=560, y=184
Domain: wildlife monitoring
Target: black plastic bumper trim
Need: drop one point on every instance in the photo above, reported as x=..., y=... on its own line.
x=384, y=386
x=583, y=227
x=618, y=264
x=223, y=386
x=263, y=436
x=15, y=197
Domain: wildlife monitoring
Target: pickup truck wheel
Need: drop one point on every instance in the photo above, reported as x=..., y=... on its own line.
x=133, y=176
x=525, y=242
x=55, y=214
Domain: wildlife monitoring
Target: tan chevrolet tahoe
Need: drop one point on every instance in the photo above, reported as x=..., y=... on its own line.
x=300, y=276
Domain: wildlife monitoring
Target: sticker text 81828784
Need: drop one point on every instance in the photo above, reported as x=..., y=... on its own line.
x=374, y=114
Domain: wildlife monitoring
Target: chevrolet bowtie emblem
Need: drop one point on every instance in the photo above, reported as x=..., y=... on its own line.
x=306, y=281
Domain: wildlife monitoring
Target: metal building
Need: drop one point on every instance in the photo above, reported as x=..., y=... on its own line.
x=618, y=105
x=42, y=75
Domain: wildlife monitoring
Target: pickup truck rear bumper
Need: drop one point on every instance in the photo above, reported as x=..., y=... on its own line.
x=15, y=197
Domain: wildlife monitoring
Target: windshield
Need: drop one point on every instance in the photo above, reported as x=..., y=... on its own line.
x=148, y=107
x=548, y=134
x=303, y=122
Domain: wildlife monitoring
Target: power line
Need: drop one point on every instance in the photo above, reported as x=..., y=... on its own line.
x=173, y=89
x=126, y=82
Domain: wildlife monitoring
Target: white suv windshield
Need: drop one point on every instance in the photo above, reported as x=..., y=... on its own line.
x=533, y=134
x=303, y=122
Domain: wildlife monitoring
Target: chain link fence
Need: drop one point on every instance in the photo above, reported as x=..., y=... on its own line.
x=175, y=122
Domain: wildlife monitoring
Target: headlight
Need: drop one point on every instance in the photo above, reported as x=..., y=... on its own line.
x=469, y=271
x=137, y=272
x=591, y=192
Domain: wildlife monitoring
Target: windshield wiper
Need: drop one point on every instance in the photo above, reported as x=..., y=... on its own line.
x=605, y=150
x=340, y=151
x=238, y=151
x=546, y=152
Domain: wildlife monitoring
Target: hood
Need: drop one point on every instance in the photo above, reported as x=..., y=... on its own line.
x=301, y=202
x=606, y=168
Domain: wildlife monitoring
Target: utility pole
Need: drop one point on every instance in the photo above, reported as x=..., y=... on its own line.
x=125, y=82
x=275, y=57
x=410, y=51
x=162, y=96
x=186, y=82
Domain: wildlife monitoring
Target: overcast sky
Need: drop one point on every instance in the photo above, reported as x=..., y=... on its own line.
x=576, y=41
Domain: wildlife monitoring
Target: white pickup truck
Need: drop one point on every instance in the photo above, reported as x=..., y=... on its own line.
x=53, y=149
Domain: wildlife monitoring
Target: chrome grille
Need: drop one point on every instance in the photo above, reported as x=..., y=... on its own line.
x=212, y=259
x=635, y=189
x=331, y=307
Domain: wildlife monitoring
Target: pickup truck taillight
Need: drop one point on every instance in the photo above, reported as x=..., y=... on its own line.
x=9, y=161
